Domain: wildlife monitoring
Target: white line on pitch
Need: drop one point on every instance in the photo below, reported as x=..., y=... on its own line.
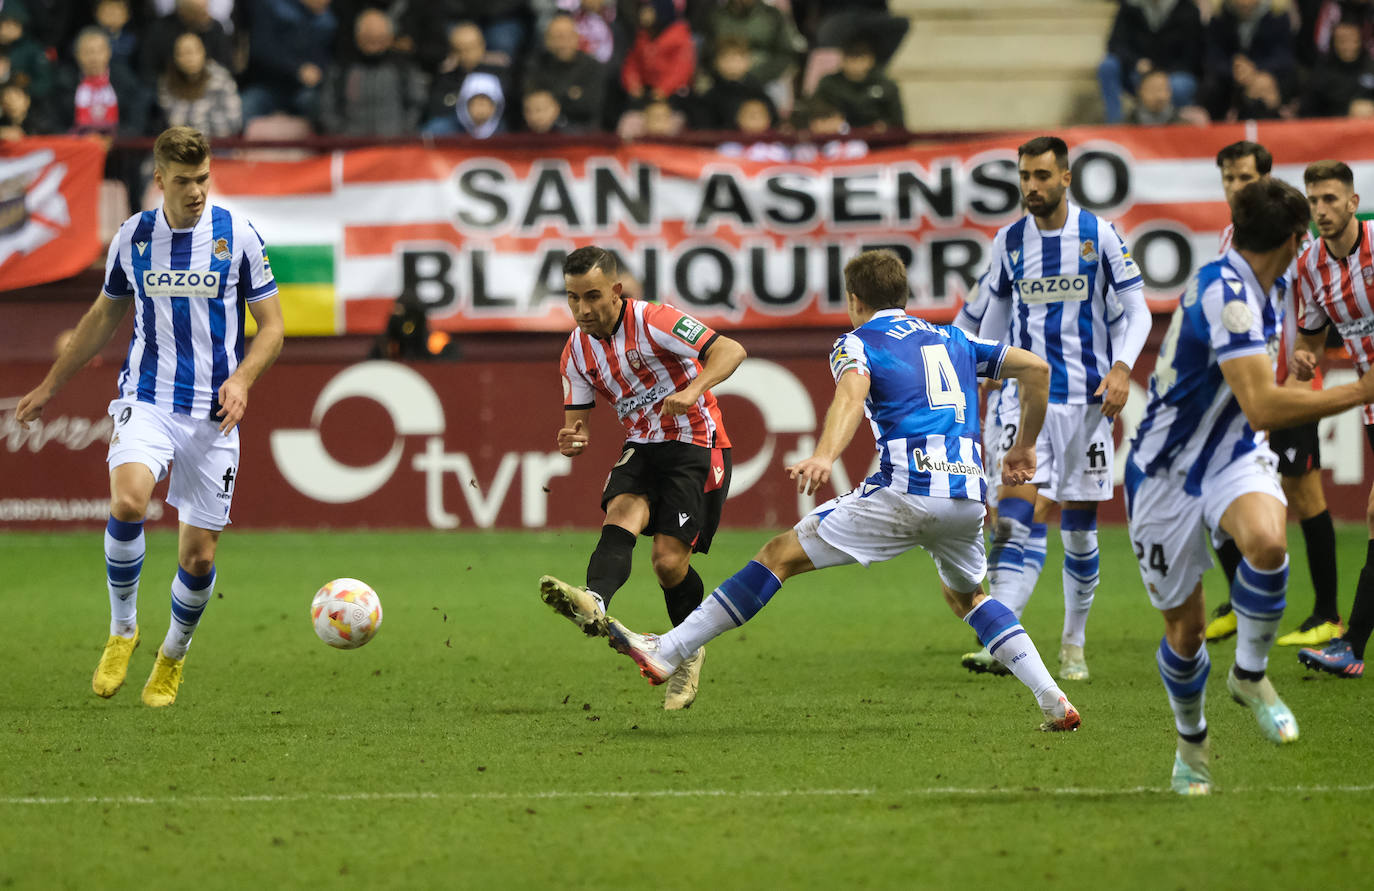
x=932, y=792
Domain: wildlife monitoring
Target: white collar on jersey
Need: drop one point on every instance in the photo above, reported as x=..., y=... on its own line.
x=1236, y=261
x=1068, y=220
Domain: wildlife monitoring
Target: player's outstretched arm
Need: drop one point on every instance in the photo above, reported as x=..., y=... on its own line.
x=94, y=330
x=266, y=346
x=573, y=436
x=1267, y=406
x=723, y=356
x=1032, y=375
x=841, y=420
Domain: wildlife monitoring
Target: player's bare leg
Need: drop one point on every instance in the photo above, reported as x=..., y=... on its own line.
x=191, y=591
x=1257, y=522
x=131, y=488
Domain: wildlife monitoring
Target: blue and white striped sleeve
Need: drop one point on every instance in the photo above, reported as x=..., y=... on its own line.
x=255, y=273
x=117, y=285
x=848, y=354
x=1235, y=320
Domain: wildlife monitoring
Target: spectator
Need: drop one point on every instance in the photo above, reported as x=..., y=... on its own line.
x=828, y=129
x=1243, y=37
x=1361, y=108
x=1340, y=76
x=1154, y=101
x=838, y=22
x=1314, y=37
x=477, y=110
x=100, y=96
x=595, y=23
x=732, y=83
x=22, y=59
x=199, y=92
x=221, y=11
x=865, y=96
x=289, y=48
x=467, y=52
x=17, y=116
x=774, y=44
x=755, y=117
x=661, y=119
x=378, y=92
x=543, y=113
x=1261, y=100
x=189, y=15
x=1152, y=35
x=575, y=78
x=663, y=59
x=503, y=23
x=112, y=17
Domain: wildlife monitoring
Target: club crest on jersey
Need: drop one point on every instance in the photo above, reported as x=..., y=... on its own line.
x=221, y=250
x=1089, y=251
x=635, y=359
x=1368, y=273
x=689, y=329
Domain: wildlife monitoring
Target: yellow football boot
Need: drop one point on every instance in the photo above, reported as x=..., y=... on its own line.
x=114, y=665
x=162, y=685
x=1223, y=624
x=1312, y=633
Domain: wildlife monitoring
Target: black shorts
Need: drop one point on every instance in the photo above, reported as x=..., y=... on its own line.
x=1369, y=435
x=686, y=486
x=1298, y=448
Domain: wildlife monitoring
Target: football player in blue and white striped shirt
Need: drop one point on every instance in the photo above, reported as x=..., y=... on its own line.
x=190, y=271
x=1200, y=461
x=917, y=384
x=1062, y=284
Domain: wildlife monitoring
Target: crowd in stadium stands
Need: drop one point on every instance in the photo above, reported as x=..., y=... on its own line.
x=1228, y=60
x=396, y=68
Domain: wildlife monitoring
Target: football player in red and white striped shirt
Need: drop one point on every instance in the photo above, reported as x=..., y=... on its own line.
x=1336, y=286
x=655, y=366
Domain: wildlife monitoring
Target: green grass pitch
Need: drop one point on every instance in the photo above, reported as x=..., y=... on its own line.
x=481, y=742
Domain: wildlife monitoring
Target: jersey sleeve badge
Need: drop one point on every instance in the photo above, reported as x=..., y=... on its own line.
x=688, y=330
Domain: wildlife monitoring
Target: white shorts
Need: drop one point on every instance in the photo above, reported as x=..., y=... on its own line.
x=875, y=523
x=1073, y=456
x=204, y=462
x=1168, y=526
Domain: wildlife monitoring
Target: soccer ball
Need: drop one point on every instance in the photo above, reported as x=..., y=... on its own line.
x=346, y=613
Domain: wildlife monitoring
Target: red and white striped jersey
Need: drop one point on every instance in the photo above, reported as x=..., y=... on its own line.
x=652, y=354
x=1226, y=234
x=1341, y=291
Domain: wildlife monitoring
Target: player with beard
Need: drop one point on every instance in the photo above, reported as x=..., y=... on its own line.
x=1336, y=287
x=1062, y=284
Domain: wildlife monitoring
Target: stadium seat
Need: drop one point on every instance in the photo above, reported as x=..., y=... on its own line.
x=276, y=128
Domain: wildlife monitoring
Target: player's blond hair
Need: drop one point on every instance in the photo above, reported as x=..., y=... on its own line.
x=181, y=145
x=878, y=279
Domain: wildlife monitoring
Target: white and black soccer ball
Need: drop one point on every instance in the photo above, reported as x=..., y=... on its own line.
x=346, y=613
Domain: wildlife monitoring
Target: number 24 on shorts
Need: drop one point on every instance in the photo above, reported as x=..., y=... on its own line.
x=1156, y=562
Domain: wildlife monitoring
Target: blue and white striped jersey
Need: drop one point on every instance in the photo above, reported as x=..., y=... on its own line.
x=922, y=401
x=1193, y=425
x=192, y=288
x=1062, y=291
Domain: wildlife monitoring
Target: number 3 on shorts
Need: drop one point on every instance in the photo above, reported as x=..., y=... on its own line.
x=1156, y=561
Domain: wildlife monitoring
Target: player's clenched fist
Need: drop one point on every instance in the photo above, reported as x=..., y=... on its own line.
x=572, y=440
x=31, y=406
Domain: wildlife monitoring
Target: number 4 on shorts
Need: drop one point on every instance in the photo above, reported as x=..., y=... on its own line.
x=1156, y=561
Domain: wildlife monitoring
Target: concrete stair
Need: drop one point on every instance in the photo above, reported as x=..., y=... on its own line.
x=1001, y=64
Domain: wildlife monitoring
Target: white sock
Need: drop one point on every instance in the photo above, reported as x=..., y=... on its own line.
x=1009, y=643
x=1185, y=680
x=706, y=622
x=190, y=593
x=1258, y=597
x=124, y=551
x=1078, y=530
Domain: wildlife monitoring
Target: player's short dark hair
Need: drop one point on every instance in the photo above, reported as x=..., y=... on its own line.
x=878, y=279
x=585, y=259
x=1268, y=212
x=181, y=145
x=1041, y=144
x=1264, y=162
x=1323, y=170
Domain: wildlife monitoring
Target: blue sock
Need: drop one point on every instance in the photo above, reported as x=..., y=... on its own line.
x=998, y=629
x=1036, y=546
x=124, y=550
x=1007, y=556
x=1185, y=680
x=190, y=593
x=736, y=601
x=1258, y=597
x=1078, y=529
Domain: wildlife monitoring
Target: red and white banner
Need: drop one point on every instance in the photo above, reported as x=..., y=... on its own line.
x=380, y=444
x=49, y=209
x=480, y=236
